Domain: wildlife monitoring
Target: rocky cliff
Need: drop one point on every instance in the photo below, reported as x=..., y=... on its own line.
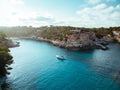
x=116, y=35
x=78, y=40
x=7, y=42
x=81, y=40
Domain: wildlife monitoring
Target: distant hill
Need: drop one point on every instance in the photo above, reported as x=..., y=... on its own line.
x=54, y=32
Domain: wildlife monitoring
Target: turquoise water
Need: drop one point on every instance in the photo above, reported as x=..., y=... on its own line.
x=35, y=67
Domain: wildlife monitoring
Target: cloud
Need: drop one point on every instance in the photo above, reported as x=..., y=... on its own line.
x=8, y=9
x=94, y=1
x=38, y=20
x=110, y=0
x=15, y=12
x=99, y=1
x=100, y=16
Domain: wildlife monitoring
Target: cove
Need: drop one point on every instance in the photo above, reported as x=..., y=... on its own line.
x=35, y=67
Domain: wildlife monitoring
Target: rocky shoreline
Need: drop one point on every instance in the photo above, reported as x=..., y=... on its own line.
x=78, y=40
x=14, y=44
x=76, y=46
x=9, y=43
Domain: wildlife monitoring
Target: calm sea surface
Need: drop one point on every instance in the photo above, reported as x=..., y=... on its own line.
x=36, y=67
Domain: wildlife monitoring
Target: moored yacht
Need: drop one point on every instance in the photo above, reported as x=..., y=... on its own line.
x=60, y=57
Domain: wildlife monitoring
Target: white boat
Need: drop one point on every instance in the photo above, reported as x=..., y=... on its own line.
x=60, y=57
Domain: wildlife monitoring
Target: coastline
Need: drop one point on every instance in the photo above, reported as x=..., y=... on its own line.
x=5, y=44
x=75, y=47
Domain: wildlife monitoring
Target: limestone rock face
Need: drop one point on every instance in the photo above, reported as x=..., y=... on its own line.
x=117, y=38
x=117, y=35
x=80, y=40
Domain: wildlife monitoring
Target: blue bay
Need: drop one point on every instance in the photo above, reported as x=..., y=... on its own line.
x=35, y=67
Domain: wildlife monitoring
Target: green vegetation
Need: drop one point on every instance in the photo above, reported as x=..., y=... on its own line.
x=60, y=32
x=56, y=32
x=5, y=57
x=53, y=32
x=5, y=60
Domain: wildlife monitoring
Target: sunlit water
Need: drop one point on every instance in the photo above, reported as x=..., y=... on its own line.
x=35, y=67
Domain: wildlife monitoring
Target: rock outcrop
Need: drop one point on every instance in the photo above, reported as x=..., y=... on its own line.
x=81, y=40
x=78, y=40
x=7, y=42
x=116, y=35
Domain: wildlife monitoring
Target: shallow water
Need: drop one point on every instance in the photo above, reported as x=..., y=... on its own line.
x=35, y=67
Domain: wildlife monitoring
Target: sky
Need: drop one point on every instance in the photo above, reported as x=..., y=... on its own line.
x=81, y=13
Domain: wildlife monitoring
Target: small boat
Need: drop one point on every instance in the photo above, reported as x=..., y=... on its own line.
x=60, y=57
